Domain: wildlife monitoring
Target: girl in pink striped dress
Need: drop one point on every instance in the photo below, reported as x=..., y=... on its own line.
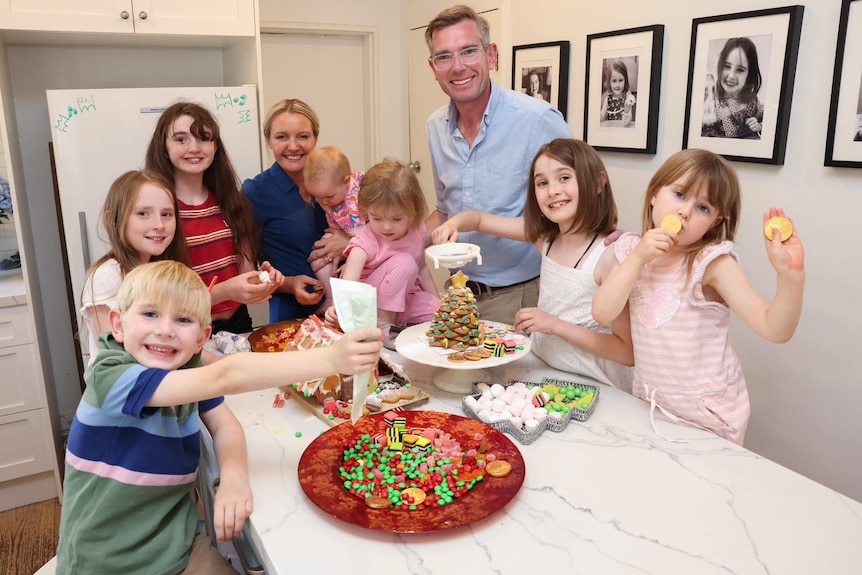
x=681, y=288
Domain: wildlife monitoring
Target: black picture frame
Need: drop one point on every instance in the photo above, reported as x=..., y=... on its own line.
x=633, y=55
x=723, y=124
x=545, y=64
x=844, y=141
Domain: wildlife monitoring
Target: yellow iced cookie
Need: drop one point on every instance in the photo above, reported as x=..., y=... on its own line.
x=671, y=223
x=783, y=225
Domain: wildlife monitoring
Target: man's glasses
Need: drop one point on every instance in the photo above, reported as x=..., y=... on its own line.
x=470, y=55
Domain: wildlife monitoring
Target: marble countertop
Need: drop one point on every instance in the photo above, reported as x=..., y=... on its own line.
x=603, y=496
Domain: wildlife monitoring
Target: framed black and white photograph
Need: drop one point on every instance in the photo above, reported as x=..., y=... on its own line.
x=542, y=71
x=740, y=83
x=844, y=131
x=623, y=87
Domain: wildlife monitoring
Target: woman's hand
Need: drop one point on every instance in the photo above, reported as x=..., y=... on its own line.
x=445, y=232
x=298, y=287
x=328, y=249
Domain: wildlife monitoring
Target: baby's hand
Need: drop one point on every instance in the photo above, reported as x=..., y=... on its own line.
x=330, y=317
x=357, y=350
x=232, y=506
x=656, y=242
x=444, y=233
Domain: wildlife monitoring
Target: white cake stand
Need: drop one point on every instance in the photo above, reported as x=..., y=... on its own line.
x=458, y=378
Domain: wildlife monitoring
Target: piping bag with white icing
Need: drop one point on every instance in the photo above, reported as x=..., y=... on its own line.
x=356, y=306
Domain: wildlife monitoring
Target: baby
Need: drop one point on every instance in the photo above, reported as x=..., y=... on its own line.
x=335, y=187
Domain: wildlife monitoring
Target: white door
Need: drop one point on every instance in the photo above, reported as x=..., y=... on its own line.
x=425, y=96
x=341, y=97
x=331, y=74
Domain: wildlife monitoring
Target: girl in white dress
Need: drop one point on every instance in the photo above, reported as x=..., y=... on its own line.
x=140, y=220
x=570, y=211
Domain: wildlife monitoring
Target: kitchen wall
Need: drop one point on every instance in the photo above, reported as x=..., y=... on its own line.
x=805, y=394
x=338, y=15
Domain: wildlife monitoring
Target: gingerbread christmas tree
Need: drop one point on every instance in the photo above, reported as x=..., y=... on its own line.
x=456, y=324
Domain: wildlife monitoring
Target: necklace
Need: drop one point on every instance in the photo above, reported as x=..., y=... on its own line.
x=592, y=241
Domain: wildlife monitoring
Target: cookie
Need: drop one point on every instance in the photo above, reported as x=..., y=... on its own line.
x=672, y=223
x=783, y=225
x=472, y=355
x=498, y=468
x=456, y=357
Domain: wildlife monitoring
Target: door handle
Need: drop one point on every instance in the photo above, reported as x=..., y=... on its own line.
x=415, y=166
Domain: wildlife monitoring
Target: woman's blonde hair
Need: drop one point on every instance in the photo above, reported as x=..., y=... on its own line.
x=391, y=184
x=168, y=283
x=294, y=106
x=695, y=170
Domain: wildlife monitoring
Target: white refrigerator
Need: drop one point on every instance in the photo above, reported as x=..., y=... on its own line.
x=99, y=134
x=96, y=136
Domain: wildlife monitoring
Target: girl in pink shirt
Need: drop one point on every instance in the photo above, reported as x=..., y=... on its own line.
x=387, y=252
x=681, y=287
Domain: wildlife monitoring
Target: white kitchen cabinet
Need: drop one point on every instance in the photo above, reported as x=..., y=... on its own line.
x=60, y=44
x=26, y=450
x=20, y=388
x=28, y=464
x=188, y=17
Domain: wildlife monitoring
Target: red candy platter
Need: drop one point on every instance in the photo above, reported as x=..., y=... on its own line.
x=320, y=480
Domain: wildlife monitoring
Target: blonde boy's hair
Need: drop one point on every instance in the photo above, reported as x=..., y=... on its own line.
x=167, y=282
x=328, y=161
x=391, y=184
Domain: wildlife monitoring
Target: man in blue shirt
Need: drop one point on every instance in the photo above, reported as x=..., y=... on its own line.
x=482, y=146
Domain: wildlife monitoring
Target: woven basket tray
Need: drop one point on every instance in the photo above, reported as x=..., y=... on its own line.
x=556, y=425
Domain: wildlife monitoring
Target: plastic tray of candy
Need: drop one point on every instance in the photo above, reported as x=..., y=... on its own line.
x=524, y=436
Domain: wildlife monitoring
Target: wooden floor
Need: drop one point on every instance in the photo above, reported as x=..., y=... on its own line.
x=28, y=537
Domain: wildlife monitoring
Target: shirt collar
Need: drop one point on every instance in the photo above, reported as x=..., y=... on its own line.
x=452, y=117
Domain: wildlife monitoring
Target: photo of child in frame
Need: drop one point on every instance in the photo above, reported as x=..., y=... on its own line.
x=734, y=87
x=619, y=92
x=536, y=82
